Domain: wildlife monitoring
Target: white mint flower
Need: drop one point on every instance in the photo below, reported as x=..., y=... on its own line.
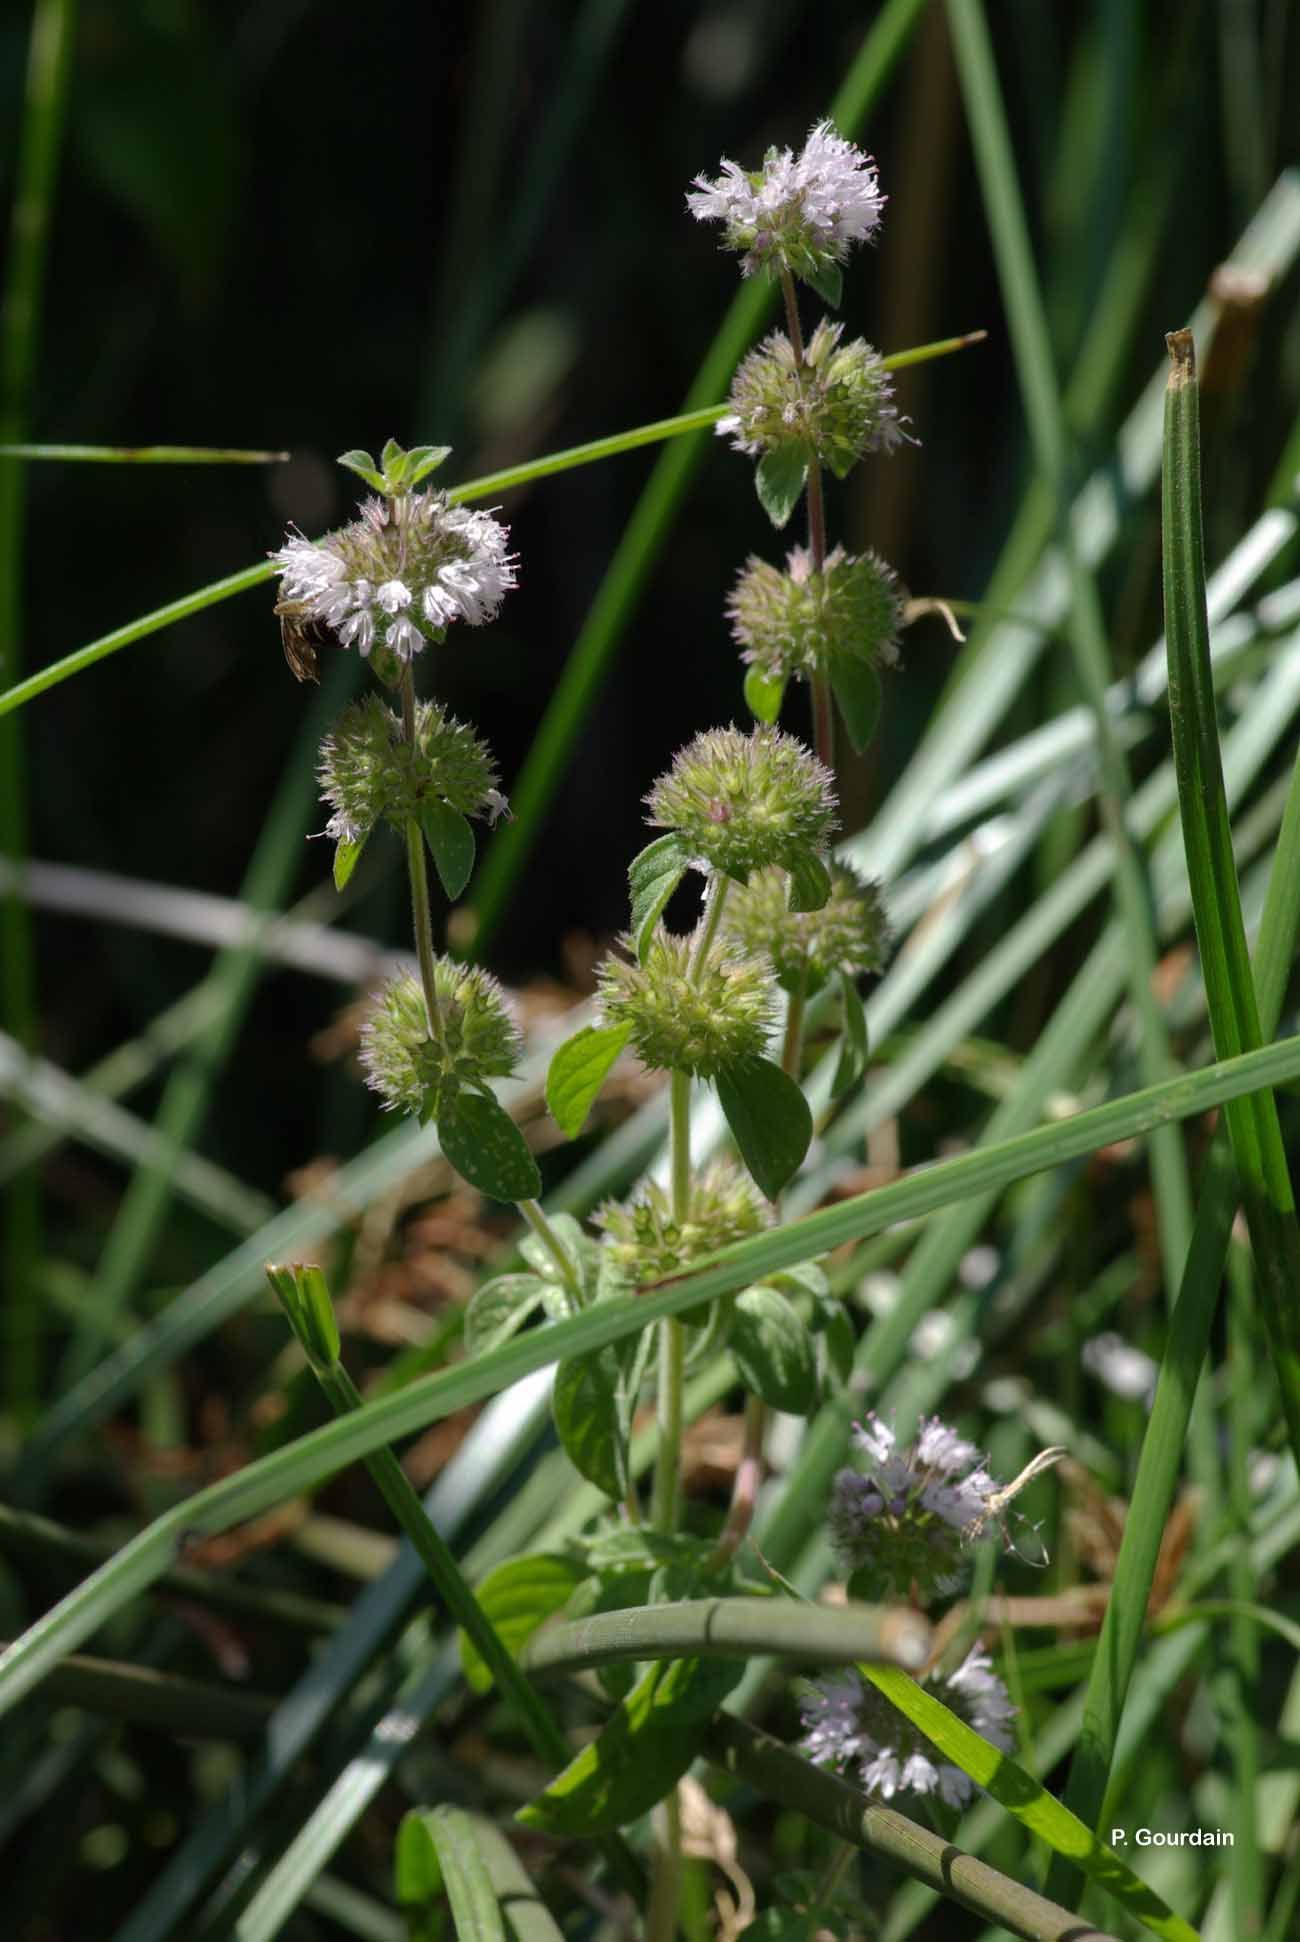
x=851, y=1728
x=393, y=596
x=403, y=566
x=799, y=212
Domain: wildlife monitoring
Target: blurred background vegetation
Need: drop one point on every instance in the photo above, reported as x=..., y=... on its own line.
x=311, y=226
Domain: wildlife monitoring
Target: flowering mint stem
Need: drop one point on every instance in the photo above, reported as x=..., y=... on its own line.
x=666, y=1880
x=418, y=869
x=823, y=715
x=715, y=898
x=744, y=1490
x=550, y=1240
x=423, y=921
x=793, y=1044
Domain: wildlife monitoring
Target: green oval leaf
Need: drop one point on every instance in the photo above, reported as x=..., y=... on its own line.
x=417, y=1872
x=423, y=459
x=364, y=466
x=652, y=877
x=855, y=1044
x=515, y=1599
x=769, y=1120
x=641, y=1753
x=764, y=694
x=774, y=1351
x=451, y=844
x=346, y=858
x=586, y=1403
x=486, y=1148
x=499, y=1308
x=779, y=481
x=857, y=690
x=828, y=281
x=579, y=1070
x=810, y=883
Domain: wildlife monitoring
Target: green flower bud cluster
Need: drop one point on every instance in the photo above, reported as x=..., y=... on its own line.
x=807, y=947
x=367, y=769
x=414, y=1072
x=741, y=802
x=685, y=1017
x=796, y=622
x=645, y=1243
x=834, y=407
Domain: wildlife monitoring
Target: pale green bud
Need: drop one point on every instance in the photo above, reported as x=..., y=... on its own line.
x=368, y=771
x=699, y=1019
x=807, y=947
x=412, y=1071
x=743, y=801
x=794, y=623
x=646, y=1243
x=303, y=1293
x=833, y=408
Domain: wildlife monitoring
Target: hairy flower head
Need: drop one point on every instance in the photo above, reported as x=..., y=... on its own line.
x=795, y=623
x=368, y=770
x=743, y=801
x=834, y=407
x=399, y=573
x=850, y=1727
x=645, y=1241
x=806, y=947
x=414, y=1072
x=798, y=212
x=685, y=1017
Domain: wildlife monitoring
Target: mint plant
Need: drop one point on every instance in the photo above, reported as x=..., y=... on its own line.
x=750, y=814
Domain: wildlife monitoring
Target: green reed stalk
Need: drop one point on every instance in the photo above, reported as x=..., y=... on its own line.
x=1253, y=1126
x=49, y=61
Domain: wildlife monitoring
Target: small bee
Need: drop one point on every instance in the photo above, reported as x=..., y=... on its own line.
x=301, y=637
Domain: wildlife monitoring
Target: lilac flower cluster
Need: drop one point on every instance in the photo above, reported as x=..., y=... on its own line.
x=852, y=1729
x=909, y=1517
x=400, y=573
x=798, y=212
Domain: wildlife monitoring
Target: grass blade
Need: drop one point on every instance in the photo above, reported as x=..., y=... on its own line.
x=1252, y=1124
x=49, y=61
x=1084, y=624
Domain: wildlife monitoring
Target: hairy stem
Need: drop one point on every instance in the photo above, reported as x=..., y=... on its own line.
x=554, y=1246
x=823, y=714
x=422, y=919
x=744, y=1489
x=714, y=899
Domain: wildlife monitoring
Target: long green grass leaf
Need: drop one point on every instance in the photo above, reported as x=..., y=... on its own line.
x=49, y=62
x=1253, y=1124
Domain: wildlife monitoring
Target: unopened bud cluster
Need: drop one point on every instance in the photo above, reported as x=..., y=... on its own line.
x=646, y=1242
x=687, y=1017
x=368, y=769
x=808, y=947
x=744, y=801
x=794, y=623
x=417, y=1073
x=830, y=409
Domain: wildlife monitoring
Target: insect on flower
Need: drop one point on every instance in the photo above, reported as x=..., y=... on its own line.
x=301, y=636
